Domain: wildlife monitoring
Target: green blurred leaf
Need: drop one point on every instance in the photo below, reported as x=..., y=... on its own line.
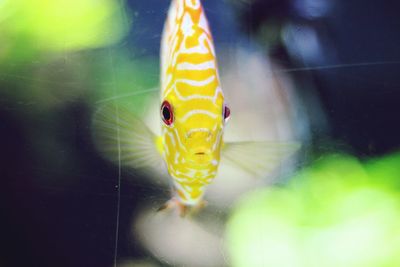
x=333, y=213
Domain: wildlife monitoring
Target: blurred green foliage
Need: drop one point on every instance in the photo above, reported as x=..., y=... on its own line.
x=338, y=212
x=59, y=25
x=59, y=61
x=57, y=52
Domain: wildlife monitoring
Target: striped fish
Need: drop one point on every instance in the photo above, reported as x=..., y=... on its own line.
x=193, y=114
x=192, y=96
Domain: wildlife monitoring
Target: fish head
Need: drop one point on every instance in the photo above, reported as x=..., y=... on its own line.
x=193, y=131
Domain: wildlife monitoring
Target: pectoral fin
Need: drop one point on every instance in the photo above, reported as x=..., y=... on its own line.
x=123, y=138
x=257, y=158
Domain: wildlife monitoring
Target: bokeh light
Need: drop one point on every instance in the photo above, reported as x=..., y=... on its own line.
x=62, y=25
x=338, y=212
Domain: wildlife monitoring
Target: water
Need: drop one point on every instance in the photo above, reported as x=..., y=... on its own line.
x=322, y=73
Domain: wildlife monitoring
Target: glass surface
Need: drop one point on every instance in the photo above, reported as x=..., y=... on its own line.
x=322, y=74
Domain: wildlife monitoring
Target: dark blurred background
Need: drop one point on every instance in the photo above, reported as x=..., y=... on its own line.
x=59, y=197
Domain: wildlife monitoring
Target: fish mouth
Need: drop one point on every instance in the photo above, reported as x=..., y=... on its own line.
x=200, y=157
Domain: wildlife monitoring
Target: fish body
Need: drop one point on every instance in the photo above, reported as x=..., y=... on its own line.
x=191, y=86
x=193, y=115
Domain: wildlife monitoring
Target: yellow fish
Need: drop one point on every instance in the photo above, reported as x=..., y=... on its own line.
x=193, y=114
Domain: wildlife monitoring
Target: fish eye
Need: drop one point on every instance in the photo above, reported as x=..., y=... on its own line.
x=226, y=113
x=166, y=113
